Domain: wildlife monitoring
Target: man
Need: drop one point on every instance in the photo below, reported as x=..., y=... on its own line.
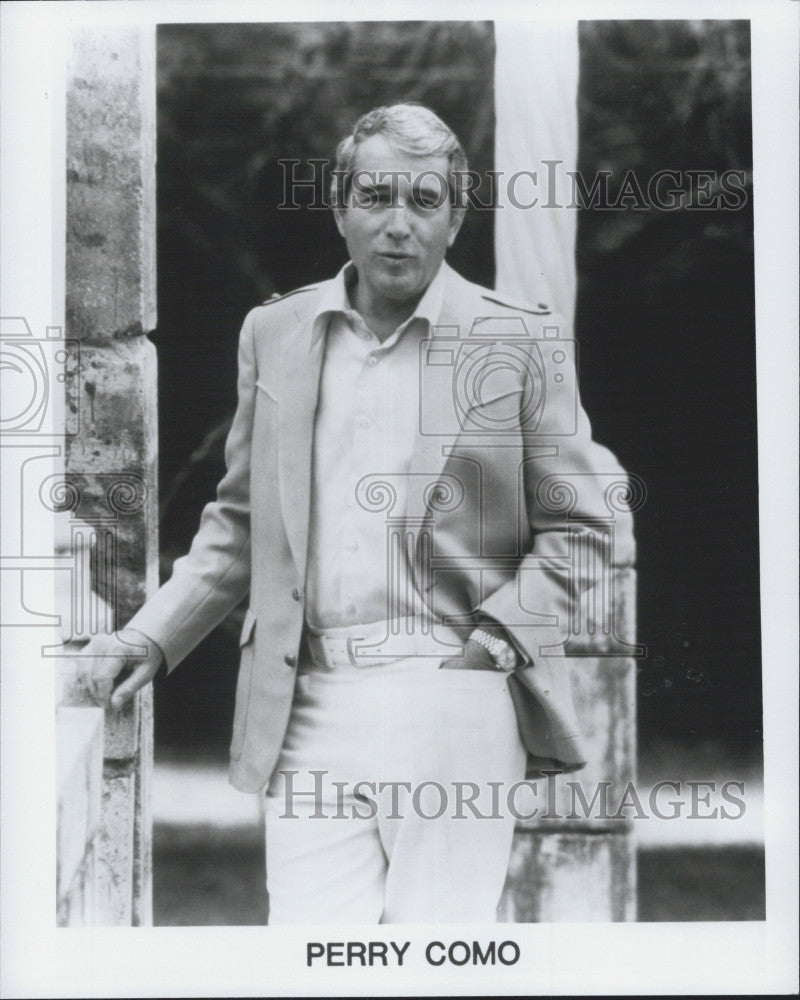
x=394, y=504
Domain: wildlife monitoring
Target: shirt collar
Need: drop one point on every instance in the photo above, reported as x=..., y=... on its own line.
x=336, y=300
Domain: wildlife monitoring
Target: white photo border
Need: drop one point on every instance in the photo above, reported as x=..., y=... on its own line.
x=37, y=959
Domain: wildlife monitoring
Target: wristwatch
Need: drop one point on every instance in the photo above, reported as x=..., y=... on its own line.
x=502, y=652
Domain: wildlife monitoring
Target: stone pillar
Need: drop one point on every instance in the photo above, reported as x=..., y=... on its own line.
x=79, y=769
x=566, y=868
x=567, y=865
x=110, y=489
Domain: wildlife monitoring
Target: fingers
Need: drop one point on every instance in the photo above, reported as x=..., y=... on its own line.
x=100, y=689
x=100, y=663
x=142, y=675
x=106, y=657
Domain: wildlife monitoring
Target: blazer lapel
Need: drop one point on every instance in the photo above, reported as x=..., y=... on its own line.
x=440, y=424
x=300, y=367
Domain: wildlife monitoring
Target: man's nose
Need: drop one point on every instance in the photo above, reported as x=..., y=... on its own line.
x=397, y=220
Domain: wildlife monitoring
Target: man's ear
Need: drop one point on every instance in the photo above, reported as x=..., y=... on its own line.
x=338, y=215
x=456, y=218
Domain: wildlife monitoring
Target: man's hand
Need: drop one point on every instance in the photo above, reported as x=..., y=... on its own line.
x=107, y=656
x=476, y=657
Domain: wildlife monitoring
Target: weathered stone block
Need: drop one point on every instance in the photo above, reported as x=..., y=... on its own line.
x=121, y=729
x=605, y=702
x=81, y=610
x=570, y=877
x=79, y=768
x=625, y=603
x=604, y=690
x=115, y=850
x=571, y=862
x=607, y=616
x=111, y=183
x=112, y=470
x=108, y=496
x=143, y=816
x=78, y=908
x=117, y=405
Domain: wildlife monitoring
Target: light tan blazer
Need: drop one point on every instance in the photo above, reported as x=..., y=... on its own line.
x=522, y=491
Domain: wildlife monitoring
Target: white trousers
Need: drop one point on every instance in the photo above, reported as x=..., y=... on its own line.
x=426, y=836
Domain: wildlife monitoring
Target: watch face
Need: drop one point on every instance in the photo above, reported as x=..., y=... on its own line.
x=503, y=653
x=507, y=657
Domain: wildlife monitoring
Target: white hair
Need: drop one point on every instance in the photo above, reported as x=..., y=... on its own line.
x=411, y=128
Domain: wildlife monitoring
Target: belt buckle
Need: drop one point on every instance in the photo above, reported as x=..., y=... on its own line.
x=351, y=653
x=324, y=661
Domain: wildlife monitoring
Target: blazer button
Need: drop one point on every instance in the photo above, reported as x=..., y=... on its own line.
x=290, y=661
x=296, y=593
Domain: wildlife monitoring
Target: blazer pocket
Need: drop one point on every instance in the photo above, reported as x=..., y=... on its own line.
x=243, y=684
x=268, y=391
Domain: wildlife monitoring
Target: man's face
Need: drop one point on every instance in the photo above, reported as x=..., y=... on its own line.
x=397, y=223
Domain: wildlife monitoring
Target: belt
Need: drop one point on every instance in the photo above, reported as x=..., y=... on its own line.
x=379, y=643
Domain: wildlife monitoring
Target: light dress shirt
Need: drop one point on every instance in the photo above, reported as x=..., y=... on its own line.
x=366, y=425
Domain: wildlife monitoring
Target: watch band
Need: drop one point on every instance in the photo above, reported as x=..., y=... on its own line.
x=502, y=652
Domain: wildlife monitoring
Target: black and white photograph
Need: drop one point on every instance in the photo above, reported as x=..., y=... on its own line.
x=399, y=499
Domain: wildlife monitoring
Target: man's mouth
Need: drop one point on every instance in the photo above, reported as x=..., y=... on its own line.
x=394, y=255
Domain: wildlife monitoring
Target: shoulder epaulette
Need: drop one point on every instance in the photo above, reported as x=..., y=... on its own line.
x=277, y=297
x=541, y=310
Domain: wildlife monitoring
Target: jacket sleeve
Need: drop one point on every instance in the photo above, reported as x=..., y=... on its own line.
x=574, y=495
x=208, y=582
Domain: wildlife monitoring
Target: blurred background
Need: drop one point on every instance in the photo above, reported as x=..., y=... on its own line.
x=665, y=323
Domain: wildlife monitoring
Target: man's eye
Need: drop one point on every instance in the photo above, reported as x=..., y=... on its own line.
x=428, y=199
x=370, y=197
